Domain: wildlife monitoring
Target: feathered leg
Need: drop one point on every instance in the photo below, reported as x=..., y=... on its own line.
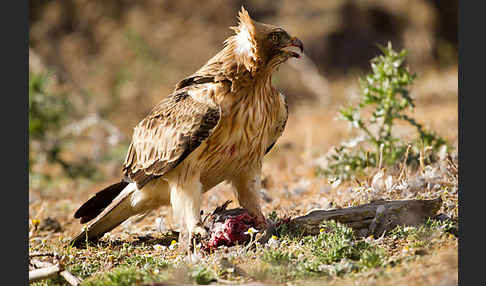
x=247, y=185
x=185, y=198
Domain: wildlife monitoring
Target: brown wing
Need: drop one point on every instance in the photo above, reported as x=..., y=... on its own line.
x=174, y=128
x=283, y=115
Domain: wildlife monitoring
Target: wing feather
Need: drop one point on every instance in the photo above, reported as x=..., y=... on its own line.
x=283, y=116
x=174, y=128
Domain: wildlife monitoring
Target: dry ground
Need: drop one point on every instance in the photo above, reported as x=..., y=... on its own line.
x=291, y=187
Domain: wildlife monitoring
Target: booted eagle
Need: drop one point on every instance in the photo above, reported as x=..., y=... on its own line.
x=217, y=125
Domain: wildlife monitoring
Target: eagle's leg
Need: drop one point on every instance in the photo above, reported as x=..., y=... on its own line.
x=185, y=198
x=247, y=185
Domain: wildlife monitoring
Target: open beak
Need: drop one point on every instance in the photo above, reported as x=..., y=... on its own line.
x=290, y=48
x=295, y=42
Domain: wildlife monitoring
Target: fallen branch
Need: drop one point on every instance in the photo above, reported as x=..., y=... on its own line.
x=44, y=273
x=48, y=270
x=373, y=218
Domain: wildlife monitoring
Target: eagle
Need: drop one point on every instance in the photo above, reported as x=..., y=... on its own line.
x=216, y=125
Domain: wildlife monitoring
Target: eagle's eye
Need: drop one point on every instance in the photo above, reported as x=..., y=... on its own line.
x=275, y=37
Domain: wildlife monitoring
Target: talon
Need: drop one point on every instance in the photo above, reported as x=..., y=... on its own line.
x=199, y=231
x=198, y=234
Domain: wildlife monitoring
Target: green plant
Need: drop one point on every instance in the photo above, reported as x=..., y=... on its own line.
x=48, y=114
x=337, y=242
x=46, y=111
x=276, y=257
x=148, y=262
x=372, y=257
x=385, y=90
x=202, y=275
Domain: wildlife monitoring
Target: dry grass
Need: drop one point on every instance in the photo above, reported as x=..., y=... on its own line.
x=291, y=187
x=118, y=66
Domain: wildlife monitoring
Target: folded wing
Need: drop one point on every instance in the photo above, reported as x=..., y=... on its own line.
x=172, y=130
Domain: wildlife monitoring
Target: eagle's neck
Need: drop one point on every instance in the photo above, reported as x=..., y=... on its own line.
x=240, y=64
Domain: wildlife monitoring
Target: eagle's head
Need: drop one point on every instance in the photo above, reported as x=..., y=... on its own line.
x=259, y=46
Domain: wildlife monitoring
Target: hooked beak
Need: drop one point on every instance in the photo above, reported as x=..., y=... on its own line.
x=294, y=42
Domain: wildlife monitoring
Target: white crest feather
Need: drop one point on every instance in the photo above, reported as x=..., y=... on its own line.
x=243, y=42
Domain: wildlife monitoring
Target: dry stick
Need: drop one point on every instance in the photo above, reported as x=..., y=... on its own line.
x=38, y=253
x=44, y=273
x=45, y=266
x=451, y=163
x=421, y=160
x=404, y=164
x=70, y=278
x=381, y=156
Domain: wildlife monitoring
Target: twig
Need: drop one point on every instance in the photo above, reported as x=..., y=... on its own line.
x=44, y=273
x=47, y=270
x=404, y=164
x=70, y=278
x=38, y=253
x=381, y=156
x=421, y=160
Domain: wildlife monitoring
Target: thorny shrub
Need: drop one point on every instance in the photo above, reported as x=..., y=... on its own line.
x=385, y=90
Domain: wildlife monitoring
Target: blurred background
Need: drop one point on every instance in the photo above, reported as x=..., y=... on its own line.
x=98, y=67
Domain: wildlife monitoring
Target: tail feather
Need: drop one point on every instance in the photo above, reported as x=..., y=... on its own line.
x=117, y=211
x=94, y=206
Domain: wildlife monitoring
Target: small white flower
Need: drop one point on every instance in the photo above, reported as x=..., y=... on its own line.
x=160, y=247
x=273, y=241
x=369, y=239
x=251, y=231
x=147, y=255
x=173, y=245
x=406, y=250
